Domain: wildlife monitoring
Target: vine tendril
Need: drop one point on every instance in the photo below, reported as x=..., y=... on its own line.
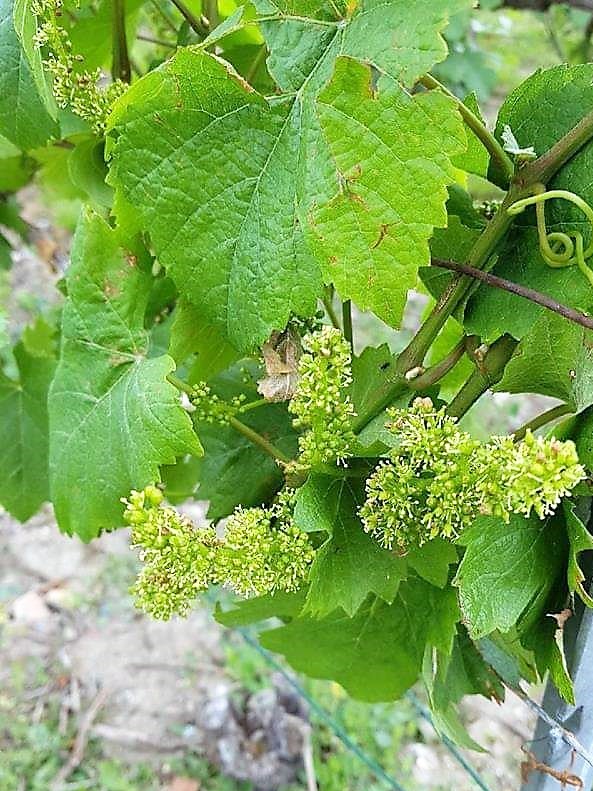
x=559, y=249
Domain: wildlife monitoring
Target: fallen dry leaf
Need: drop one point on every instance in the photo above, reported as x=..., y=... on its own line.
x=179, y=783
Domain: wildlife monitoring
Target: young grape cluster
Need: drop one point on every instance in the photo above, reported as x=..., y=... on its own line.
x=439, y=479
x=262, y=551
x=321, y=405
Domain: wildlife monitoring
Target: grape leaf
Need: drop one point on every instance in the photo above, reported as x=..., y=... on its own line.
x=113, y=416
x=580, y=540
x=374, y=374
x=23, y=117
x=377, y=654
x=506, y=570
x=449, y=677
x=24, y=483
x=235, y=471
x=194, y=114
x=190, y=334
x=373, y=234
x=555, y=358
x=16, y=168
x=261, y=165
x=401, y=38
x=431, y=561
x=582, y=434
x=25, y=26
x=274, y=605
x=350, y=564
x=542, y=109
x=476, y=159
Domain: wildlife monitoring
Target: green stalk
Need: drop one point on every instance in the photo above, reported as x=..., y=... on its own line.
x=486, y=137
x=240, y=427
x=347, y=321
x=489, y=372
x=543, y=419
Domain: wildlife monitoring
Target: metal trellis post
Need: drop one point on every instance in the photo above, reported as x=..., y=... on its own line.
x=549, y=746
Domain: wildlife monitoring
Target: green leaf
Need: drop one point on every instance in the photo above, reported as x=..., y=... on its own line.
x=24, y=483
x=507, y=570
x=234, y=471
x=431, y=561
x=248, y=611
x=350, y=564
x=449, y=677
x=182, y=479
x=23, y=117
x=402, y=39
x=377, y=654
x=25, y=26
x=555, y=358
x=114, y=418
x=257, y=160
x=193, y=114
x=39, y=338
x=545, y=107
x=87, y=169
x=582, y=434
x=373, y=234
x=476, y=159
x=580, y=540
x=191, y=334
x=373, y=375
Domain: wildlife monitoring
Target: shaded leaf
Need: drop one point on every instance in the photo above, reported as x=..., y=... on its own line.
x=114, y=418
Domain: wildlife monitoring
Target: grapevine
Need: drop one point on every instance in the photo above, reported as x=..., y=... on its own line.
x=254, y=187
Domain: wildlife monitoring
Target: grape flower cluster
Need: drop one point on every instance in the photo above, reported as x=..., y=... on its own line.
x=73, y=86
x=321, y=405
x=438, y=478
x=212, y=409
x=262, y=551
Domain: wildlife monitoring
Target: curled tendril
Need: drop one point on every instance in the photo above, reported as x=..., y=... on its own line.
x=559, y=249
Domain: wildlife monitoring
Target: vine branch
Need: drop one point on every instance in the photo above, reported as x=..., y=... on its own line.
x=196, y=24
x=120, y=68
x=521, y=291
x=487, y=374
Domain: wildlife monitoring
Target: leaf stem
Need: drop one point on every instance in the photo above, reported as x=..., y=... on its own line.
x=486, y=137
x=487, y=374
x=120, y=68
x=328, y=304
x=436, y=372
x=521, y=291
x=254, y=405
x=211, y=12
x=543, y=419
x=196, y=24
x=259, y=440
x=347, y=321
x=239, y=426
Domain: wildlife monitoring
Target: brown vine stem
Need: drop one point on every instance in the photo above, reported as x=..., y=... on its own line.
x=521, y=291
x=239, y=426
x=196, y=24
x=543, y=419
x=121, y=68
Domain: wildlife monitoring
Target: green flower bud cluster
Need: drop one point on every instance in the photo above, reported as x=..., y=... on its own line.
x=262, y=552
x=320, y=404
x=179, y=559
x=72, y=86
x=265, y=551
x=212, y=409
x=535, y=475
x=439, y=479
